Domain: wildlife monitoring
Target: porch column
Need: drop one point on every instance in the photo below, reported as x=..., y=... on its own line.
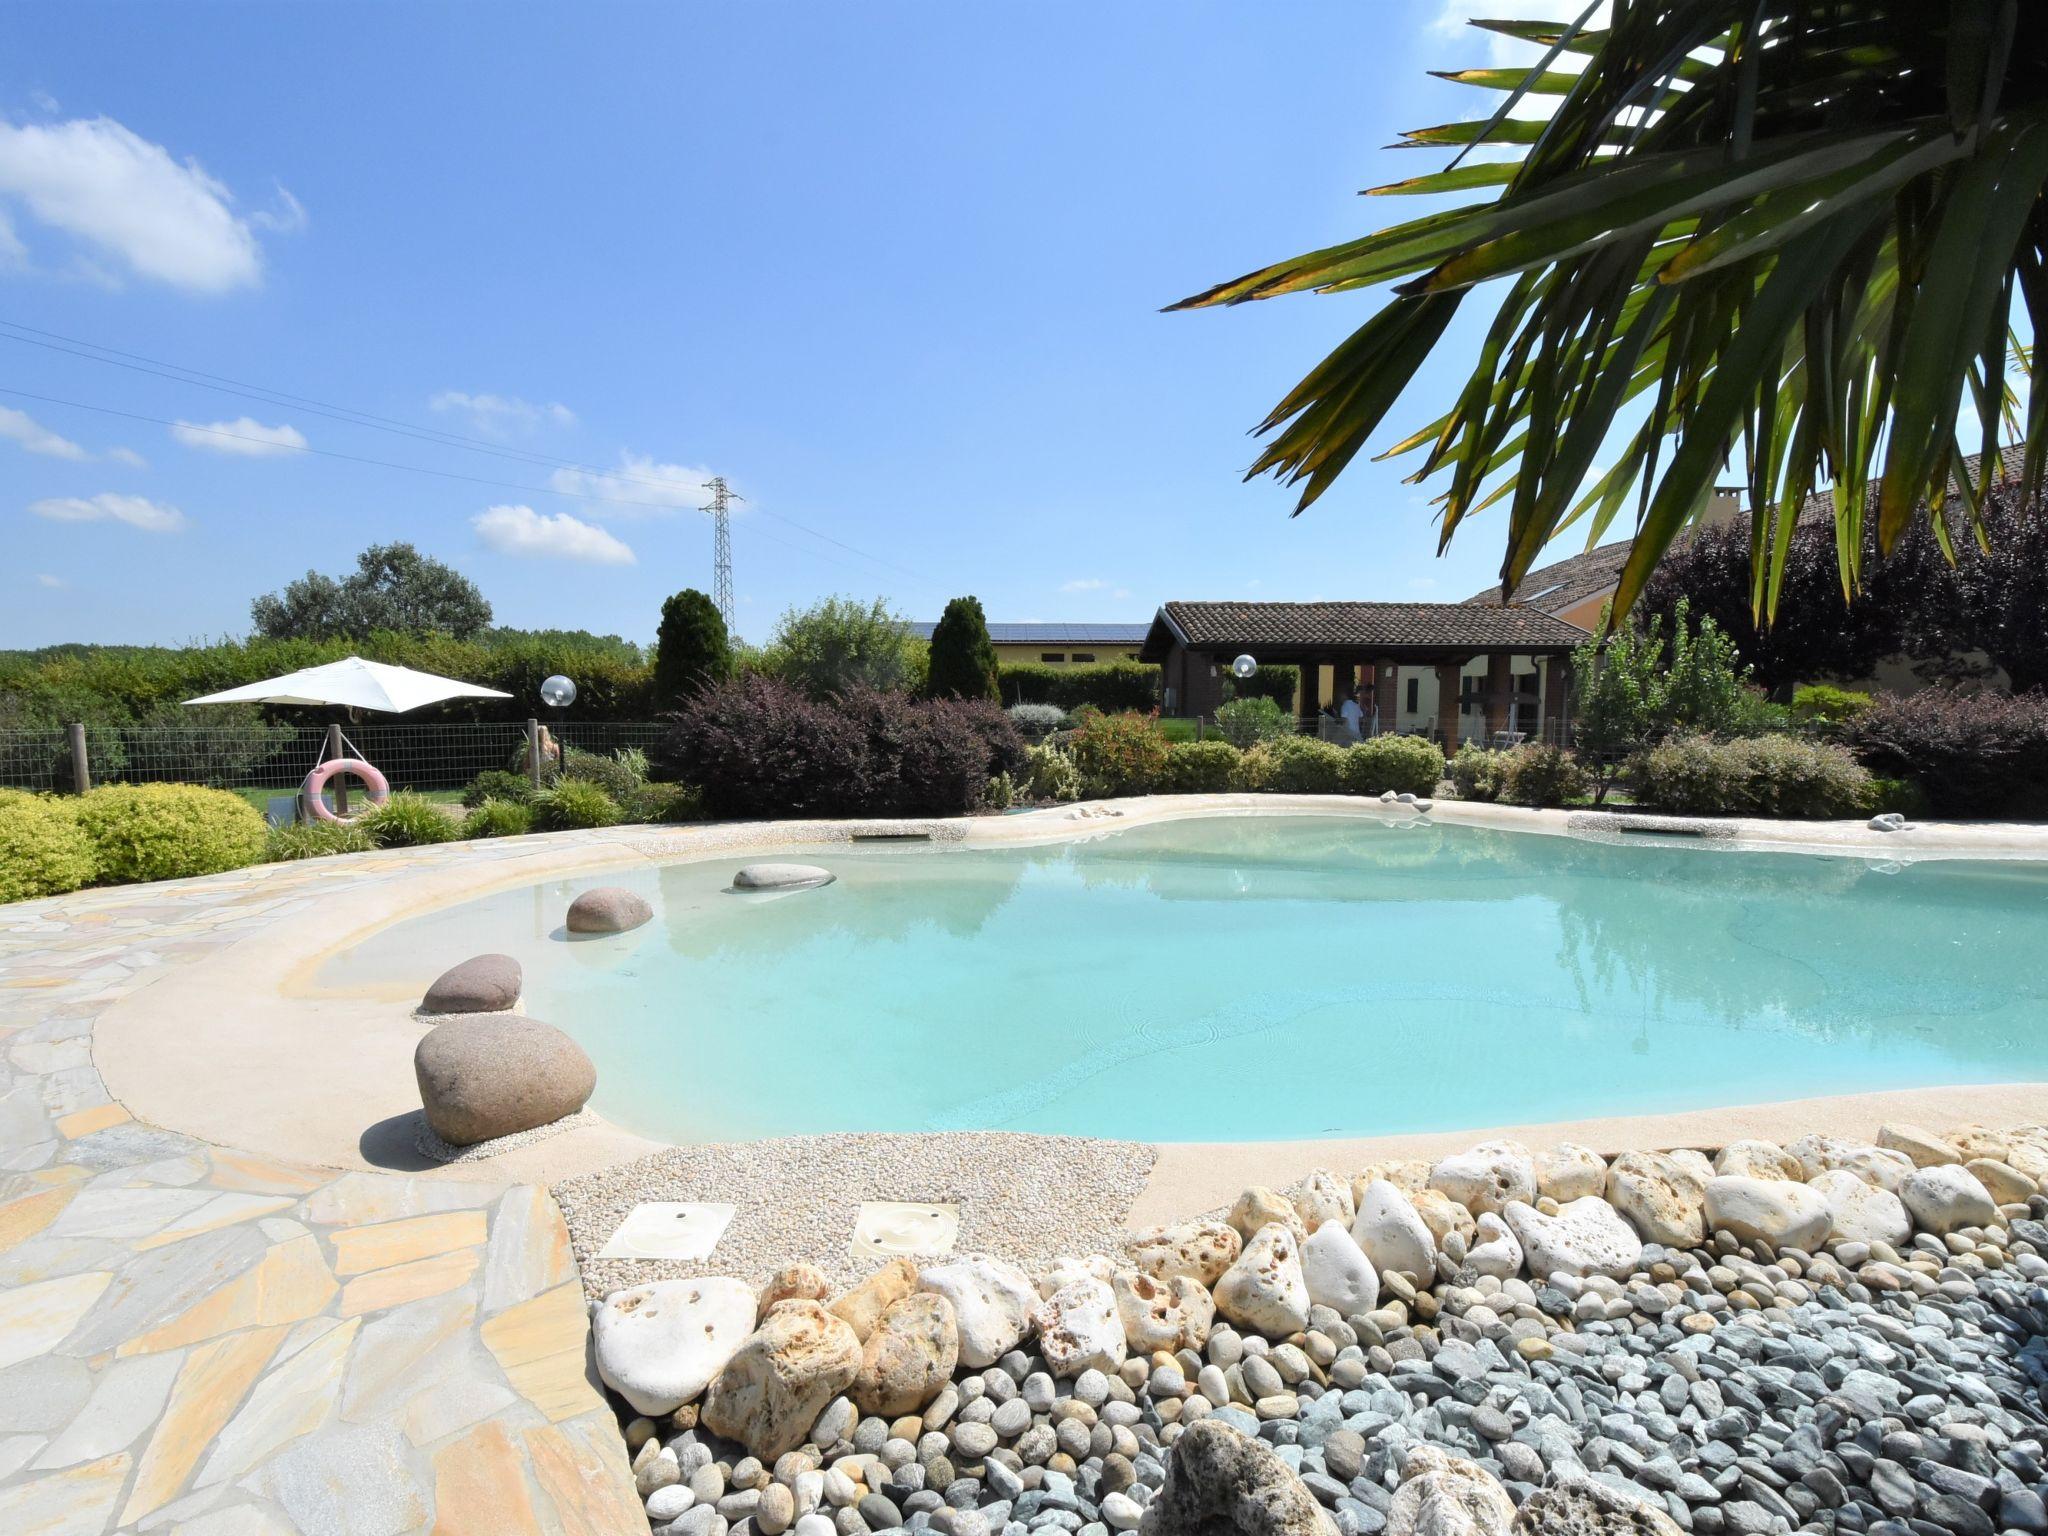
x=1500, y=685
x=1343, y=681
x=1557, y=687
x=1309, y=696
x=1447, y=674
x=1386, y=694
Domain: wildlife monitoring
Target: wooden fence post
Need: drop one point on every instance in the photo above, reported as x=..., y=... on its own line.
x=81, y=770
x=332, y=752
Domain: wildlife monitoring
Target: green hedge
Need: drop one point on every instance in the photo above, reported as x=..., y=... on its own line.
x=1199, y=768
x=124, y=684
x=1541, y=775
x=43, y=850
x=1407, y=765
x=1110, y=686
x=1751, y=776
x=168, y=831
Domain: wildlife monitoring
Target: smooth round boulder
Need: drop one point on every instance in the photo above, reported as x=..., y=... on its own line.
x=485, y=1077
x=608, y=909
x=781, y=877
x=481, y=984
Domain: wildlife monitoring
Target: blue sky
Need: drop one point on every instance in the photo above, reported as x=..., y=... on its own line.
x=895, y=270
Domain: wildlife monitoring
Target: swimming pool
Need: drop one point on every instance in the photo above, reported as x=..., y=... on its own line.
x=1251, y=977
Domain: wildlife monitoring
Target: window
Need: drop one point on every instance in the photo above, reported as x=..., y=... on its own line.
x=1052, y=655
x=1084, y=656
x=1414, y=695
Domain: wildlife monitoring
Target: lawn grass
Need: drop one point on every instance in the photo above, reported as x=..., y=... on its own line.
x=261, y=798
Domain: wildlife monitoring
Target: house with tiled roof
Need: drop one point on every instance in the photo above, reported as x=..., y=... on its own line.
x=1057, y=644
x=1452, y=671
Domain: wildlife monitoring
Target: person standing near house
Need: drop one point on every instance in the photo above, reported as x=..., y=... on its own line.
x=1352, y=713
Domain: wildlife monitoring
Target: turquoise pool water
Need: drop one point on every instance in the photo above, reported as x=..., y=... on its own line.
x=1257, y=977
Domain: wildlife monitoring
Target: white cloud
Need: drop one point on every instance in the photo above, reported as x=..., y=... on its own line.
x=12, y=252
x=244, y=436
x=502, y=415
x=287, y=218
x=129, y=457
x=20, y=427
x=639, y=478
x=109, y=507
x=523, y=531
x=122, y=196
x=1421, y=583
x=43, y=579
x=1084, y=584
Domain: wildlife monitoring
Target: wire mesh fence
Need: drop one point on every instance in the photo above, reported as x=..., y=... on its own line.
x=278, y=756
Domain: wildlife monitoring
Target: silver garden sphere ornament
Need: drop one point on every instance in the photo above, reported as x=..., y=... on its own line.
x=558, y=692
x=1243, y=667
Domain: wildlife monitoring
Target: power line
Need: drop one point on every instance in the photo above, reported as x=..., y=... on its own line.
x=350, y=416
x=274, y=446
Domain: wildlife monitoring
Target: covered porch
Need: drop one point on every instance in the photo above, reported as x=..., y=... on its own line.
x=1449, y=671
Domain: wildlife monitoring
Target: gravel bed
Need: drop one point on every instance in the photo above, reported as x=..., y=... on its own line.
x=431, y=1145
x=1024, y=1198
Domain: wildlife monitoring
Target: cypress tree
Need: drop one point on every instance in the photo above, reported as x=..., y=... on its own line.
x=692, y=649
x=963, y=664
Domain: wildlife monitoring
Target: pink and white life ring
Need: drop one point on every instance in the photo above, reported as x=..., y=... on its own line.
x=376, y=787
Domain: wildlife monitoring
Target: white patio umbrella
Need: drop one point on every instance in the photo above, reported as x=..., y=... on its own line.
x=354, y=683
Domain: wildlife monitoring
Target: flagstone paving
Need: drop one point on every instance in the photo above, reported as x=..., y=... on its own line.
x=199, y=1341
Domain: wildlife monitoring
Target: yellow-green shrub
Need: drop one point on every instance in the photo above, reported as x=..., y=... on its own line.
x=408, y=821
x=1305, y=765
x=1199, y=768
x=498, y=818
x=168, y=831
x=1409, y=765
x=43, y=851
x=314, y=840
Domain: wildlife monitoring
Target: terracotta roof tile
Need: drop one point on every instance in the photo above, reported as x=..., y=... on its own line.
x=1348, y=626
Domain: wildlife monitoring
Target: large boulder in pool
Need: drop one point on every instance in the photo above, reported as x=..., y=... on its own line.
x=608, y=909
x=485, y=1077
x=781, y=877
x=481, y=984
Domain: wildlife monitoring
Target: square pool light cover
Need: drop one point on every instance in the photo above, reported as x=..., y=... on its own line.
x=668, y=1229
x=887, y=1228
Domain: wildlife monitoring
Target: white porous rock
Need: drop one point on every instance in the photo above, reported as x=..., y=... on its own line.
x=1338, y=1274
x=1925, y=1148
x=1487, y=1177
x=659, y=1345
x=1392, y=1233
x=2003, y=1182
x=1947, y=1198
x=992, y=1302
x=1569, y=1171
x=1202, y=1250
x=1066, y=1269
x=1818, y=1153
x=1974, y=1141
x=1585, y=1237
x=1873, y=1165
x=1774, y=1211
x=2028, y=1154
x=1443, y=1216
x=1860, y=1212
x=1410, y=1175
x=1445, y=1495
x=1321, y=1197
x=1759, y=1160
x=1264, y=1290
x=1660, y=1196
x=1259, y=1207
x=1079, y=1329
x=1170, y=1314
x=1695, y=1162
x=1497, y=1252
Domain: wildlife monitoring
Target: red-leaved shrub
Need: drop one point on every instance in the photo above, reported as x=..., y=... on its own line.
x=756, y=747
x=1972, y=754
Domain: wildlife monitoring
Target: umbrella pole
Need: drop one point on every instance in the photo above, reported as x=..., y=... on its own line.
x=333, y=752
